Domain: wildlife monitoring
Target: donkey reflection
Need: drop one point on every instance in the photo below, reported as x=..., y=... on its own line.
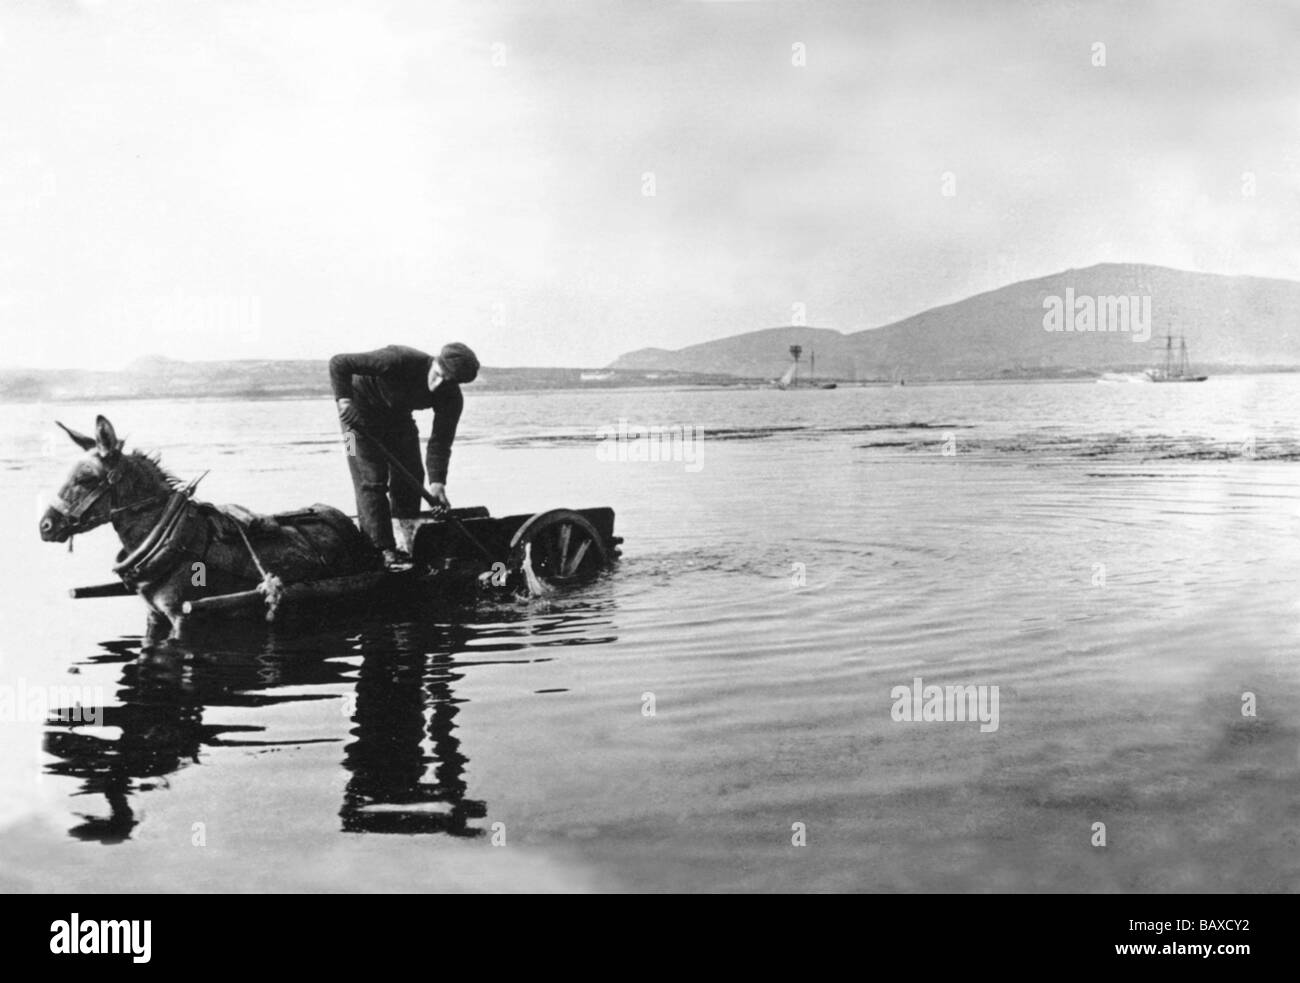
x=166, y=690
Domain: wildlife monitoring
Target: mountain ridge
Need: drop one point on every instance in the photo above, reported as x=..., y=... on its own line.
x=1229, y=321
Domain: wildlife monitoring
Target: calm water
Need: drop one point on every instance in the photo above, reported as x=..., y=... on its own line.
x=1118, y=559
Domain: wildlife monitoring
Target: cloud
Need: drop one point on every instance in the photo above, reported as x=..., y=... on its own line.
x=372, y=173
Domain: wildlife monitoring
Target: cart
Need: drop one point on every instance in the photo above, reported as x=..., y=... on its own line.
x=457, y=554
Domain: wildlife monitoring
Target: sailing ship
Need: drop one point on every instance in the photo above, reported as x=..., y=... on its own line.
x=1175, y=369
x=812, y=371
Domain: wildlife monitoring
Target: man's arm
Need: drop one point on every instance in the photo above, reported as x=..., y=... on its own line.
x=382, y=361
x=446, y=415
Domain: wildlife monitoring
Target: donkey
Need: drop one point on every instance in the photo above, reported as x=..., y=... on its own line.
x=175, y=549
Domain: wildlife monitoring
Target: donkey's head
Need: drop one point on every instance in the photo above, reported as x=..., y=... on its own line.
x=102, y=482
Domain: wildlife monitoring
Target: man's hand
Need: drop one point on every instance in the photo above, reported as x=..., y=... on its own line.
x=348, y=414
x=439, y=492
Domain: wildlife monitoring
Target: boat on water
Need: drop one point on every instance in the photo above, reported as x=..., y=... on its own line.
x=1175, y=369
x=812, y=371
x=790, y=380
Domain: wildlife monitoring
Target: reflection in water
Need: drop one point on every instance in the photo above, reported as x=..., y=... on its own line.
x=406, y=764
x=401, y=679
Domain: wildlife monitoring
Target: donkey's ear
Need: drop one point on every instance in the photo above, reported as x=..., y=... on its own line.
x=106, y=441
x=80, y=439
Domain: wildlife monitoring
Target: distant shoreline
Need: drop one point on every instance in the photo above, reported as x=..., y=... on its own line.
x=714, y=384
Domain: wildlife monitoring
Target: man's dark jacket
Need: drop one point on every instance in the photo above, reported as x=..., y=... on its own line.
x=387, y=385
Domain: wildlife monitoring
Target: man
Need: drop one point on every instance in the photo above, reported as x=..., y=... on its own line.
x=376, y=393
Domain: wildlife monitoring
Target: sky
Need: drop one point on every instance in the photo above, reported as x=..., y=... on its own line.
x=559, y=183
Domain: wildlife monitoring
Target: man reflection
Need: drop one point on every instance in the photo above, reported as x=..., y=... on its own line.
x=388, y=791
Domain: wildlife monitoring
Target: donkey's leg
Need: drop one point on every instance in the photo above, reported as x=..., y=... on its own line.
x=178, y=628
x=177, y=617
x=166, y=600
x=157, y=627
x=176, y=614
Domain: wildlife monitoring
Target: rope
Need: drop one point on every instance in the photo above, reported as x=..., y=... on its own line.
x=271, y=585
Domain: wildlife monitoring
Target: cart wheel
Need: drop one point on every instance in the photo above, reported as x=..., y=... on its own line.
x=555, y=549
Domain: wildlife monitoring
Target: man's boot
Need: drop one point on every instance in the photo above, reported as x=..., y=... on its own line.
x=404, y=531
x=397, y=560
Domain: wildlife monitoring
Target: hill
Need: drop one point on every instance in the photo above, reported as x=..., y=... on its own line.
x=1229, y=322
